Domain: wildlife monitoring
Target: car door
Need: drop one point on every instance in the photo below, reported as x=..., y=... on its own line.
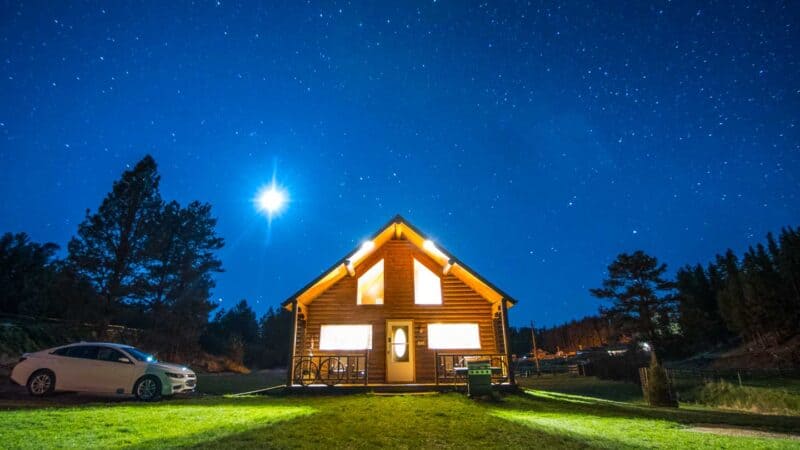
x=60, y=363
x=114, y=372
x=76, y=369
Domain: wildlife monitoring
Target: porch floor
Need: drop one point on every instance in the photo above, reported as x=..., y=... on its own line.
x=389, y=388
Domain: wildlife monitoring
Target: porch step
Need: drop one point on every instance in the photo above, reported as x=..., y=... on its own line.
x=394, y=394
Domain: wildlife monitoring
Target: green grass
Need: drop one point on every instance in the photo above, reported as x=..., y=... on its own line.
x=772, y=400
x=538, y=418
x=586, y=386
x=234, y=383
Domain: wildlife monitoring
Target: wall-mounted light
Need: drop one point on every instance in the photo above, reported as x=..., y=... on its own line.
x=431, y=248
x=365, y=248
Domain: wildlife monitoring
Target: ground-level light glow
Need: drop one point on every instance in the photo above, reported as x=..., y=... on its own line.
x=345, y=337
x=454, y=336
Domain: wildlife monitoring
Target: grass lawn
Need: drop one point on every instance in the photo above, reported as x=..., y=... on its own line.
x=537, y=418
x=586, y=386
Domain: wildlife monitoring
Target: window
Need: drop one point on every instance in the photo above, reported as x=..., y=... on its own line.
x=82, y=351
x=345, y=337
x=427, y=286
x=370, y=285
x=109, y=354
x=454, y=336
x=61, y=351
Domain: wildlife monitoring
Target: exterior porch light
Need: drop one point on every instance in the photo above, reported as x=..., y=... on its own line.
x=365, y=248
x=429, y=246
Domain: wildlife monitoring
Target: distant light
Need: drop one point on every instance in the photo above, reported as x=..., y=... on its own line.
x=271, y=199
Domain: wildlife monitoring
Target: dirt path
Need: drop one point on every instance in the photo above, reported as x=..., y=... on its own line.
x=741, y=432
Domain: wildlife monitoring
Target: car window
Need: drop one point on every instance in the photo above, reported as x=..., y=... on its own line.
x=109, y=354
x=83, y=351
x=62, y=351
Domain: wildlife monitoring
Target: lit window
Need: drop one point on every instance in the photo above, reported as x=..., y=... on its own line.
x=345, y=337
x=370, y=286
x=427, y=286
x=454, y=336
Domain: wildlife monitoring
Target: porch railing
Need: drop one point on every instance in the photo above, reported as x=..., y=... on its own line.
x=345, y=368
x=451, y=368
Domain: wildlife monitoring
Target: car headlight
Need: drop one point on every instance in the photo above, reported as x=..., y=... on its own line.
x=174, y=375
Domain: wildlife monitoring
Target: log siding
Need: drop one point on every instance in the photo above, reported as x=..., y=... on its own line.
x=337, y=305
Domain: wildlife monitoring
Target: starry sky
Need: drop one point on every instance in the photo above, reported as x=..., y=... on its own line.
x=533, y=140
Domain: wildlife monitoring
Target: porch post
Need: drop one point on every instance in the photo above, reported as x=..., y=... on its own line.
x=293, y=346
x=504, y=311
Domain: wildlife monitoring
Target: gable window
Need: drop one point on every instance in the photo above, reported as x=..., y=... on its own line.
x=370, y=286
x=427, y=286
x=345, y=337
x=454, y=336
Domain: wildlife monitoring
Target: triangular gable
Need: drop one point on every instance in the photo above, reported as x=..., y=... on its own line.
x=396, y=228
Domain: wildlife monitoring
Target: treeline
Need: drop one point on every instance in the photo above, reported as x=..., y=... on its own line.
x=591, y=331
x=257, y=343
x=138, y=261
x=754, y=299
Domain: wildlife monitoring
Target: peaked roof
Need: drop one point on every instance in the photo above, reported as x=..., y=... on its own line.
x=398, y=227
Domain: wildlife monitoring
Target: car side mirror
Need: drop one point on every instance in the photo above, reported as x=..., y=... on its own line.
x=125, y=360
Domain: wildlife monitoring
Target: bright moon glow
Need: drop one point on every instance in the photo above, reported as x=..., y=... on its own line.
x=271, y=199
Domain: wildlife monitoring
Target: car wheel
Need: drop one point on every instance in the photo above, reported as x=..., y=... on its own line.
x=41, y=383
x=147, y=389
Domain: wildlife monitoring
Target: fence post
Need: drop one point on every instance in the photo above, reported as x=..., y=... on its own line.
x=739, y=376
x=366, y=367
x=436, y=366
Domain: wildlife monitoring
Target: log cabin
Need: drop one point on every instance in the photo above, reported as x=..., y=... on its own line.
x=397, y=310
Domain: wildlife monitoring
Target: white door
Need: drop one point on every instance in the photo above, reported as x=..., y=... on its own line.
x=399, y=351
x=76, y=369
x=112, y=375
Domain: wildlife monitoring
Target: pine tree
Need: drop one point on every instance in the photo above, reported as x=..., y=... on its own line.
x=643, y=301
x=110, y=245
x=179, y=261
x=699, y=316
x=276, y=332
x=26, y=270
x=730, y=298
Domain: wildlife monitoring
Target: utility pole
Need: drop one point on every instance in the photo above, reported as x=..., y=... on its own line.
x=535, y=351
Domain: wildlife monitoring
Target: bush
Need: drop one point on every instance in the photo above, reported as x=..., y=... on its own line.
x=658, y=392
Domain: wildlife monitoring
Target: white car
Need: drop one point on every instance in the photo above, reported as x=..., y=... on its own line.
x=101, y=367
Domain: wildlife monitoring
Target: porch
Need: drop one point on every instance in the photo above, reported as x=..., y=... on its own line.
x=349, y=371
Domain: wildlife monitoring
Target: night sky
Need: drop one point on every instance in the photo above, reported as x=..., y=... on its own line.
x=534, y=141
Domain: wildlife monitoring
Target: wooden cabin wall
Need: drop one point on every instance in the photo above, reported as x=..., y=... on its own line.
x=337, y=305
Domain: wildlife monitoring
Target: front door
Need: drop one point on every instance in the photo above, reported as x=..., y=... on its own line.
x=399, y=351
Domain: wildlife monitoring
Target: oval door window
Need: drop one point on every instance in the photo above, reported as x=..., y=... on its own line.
x=400, y=344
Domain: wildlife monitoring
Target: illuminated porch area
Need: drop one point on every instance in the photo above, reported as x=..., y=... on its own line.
x=350, y=371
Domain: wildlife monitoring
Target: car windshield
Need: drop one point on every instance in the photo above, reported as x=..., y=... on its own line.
x=140, y=355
